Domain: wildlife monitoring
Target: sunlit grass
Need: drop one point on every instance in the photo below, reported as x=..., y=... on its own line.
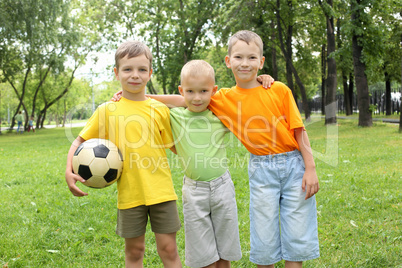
x=359, y=204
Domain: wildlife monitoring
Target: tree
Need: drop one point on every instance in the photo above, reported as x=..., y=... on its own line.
x=331, y=81
x=287, y=51
x=39, y=38
x=359, y=22
x=174, y=30
x=344, y=58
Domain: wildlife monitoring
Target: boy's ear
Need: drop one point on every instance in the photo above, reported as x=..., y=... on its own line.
x=227, y=61
x=116, y=73
x=262, y=62
x=181, y=90
x=150, y=72
x=214, y=90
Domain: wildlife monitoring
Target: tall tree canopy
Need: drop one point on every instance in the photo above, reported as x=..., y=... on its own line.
x=315, y=46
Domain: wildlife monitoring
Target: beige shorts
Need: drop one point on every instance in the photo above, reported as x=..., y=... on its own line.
x=164, y=219
x=210, y=221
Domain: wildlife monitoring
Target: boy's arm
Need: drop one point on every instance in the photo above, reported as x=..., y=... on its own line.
x=72, y=178
x=310, y=183
x=173, y=149
x=170, y=101
x=265, y=80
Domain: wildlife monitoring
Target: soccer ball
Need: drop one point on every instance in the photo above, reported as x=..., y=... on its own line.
x=99, y=162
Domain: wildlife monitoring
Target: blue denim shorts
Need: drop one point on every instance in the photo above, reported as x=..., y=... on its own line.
x=282, y=224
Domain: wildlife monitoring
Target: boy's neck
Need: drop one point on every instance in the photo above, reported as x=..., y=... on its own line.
x=134, y=96
x=249, y=84
x=196, y=112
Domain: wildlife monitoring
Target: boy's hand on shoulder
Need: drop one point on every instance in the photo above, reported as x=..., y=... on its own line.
x=71, y=180
x=266, y=80
x=310, y=183
x=117, y=96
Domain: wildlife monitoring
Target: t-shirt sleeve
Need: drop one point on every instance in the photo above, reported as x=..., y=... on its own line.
x=218, y=101
x=96, y=125
x=292, y=111
x=164, y=125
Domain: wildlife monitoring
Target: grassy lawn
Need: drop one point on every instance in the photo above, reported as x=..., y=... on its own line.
x=359, y=204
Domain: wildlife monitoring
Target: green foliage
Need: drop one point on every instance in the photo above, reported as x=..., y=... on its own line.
x=43, y=44
x=44, y=225
x=47, y=40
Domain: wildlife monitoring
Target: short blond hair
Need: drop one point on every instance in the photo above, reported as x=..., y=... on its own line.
x=246, y=36
x=196, y=68
x=132, y=49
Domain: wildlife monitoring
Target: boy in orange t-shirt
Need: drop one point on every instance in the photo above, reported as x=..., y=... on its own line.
x=283, y=179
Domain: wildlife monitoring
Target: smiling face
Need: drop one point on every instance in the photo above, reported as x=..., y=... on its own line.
x=245, y=60
x=197, y=92
x=134, y=74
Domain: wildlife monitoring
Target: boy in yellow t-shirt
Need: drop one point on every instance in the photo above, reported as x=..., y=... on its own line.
x=140, y=127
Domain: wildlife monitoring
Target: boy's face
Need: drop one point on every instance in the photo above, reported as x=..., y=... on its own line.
x=133, y=74
x=245, y=61
x=197, y=92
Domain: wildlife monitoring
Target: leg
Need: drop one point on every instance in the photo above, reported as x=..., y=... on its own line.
x=219, y=264
x=298, y=217
x=225, y=222
x=265, y=191
x=135, y=248
x=293, y=264
x=167, y=250
x=223, y=264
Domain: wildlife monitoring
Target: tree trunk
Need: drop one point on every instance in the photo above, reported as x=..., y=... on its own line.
x=41, y=81
x=388, y=110
x=151, y=88
x=346, y=95
x=351, y=87
x=400, y=107
x=330, y=100
x=289, y=80
x=363, y=99
x=273, y=52
x=285, y=53
x=323, y=77
x=289, y=51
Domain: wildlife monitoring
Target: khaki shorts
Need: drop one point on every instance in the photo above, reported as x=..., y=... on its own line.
x=210, y=221
x=164, y=219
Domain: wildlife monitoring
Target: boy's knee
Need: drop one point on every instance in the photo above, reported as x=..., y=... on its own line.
x=168, y=250
x=135, y=252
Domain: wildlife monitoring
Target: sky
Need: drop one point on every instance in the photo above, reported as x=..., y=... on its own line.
x=99, y=72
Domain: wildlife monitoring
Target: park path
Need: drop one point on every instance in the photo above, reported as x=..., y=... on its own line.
x=81, y=124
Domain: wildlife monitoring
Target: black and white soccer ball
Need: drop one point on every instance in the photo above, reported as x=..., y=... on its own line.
x=99, y=162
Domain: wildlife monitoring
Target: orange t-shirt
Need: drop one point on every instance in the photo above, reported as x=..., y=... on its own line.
x=262, y=119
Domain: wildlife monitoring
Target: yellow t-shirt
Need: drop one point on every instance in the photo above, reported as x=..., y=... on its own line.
x=262, y=119
x=141, y=130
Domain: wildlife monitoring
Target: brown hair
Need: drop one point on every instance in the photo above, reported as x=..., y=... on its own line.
x=246, y=36
x=132, y=49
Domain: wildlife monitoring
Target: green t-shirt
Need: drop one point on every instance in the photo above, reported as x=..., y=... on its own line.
x=199, y=141
x=19, y=118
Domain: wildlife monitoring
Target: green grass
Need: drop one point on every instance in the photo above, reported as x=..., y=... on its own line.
x=359, y=204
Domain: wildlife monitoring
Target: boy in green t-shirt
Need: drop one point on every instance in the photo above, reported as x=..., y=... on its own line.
x=209, y=203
